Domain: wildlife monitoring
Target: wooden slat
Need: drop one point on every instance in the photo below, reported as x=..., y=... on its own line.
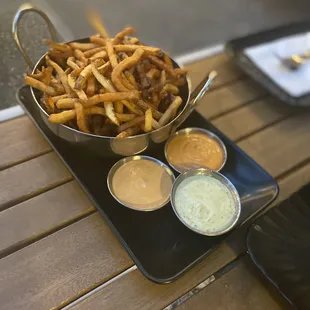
x=41, y=215
x=53, y=271
x=241, y=288
x=232, y=96
x=294, y=181
x=30, y=178
x=252, y=117
x=227, y=71
x=282, y=146
x=20, y=141
x=135, y=290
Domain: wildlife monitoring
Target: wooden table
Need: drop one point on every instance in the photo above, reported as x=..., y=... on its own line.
x=57, y=251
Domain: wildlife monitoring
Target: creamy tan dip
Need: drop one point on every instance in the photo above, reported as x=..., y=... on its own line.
x=142, y=184
x=195, y=150
x=205, y=204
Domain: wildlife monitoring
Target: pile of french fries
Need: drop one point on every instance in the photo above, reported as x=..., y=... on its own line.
x=108, y=86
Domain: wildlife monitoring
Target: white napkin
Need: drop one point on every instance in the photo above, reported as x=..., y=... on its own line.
x=267, y=57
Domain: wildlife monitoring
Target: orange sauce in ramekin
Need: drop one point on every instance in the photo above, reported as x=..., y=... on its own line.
x=195, y=150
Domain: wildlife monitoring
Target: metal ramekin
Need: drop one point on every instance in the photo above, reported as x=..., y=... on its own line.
x=223, y=180
x=188, y=131
x=125, y=160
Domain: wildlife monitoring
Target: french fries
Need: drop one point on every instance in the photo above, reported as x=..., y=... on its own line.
x=81, y=118
x=148, y=120
x=109, y=85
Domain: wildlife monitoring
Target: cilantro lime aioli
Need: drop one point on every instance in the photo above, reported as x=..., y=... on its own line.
x=205, y=204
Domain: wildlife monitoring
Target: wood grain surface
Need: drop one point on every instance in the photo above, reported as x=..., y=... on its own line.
x=252, y=117
x=57, y=269
x=227, y=71
x=20, y=141
x=282, y=146
x=41, y=215
x=224, y=99
x=30, y=178
x=242, y=288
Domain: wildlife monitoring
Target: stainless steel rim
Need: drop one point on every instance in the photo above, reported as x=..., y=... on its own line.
x=225, y=181
x=125, y=160
x=196, y=129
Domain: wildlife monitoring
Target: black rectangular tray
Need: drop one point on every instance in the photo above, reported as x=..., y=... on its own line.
x=236, y=47
x=160, y=245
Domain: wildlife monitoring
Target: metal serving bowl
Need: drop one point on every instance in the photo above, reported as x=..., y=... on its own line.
x=188, y=131
x=124, y=161
x=224, y=181
x=104, y=145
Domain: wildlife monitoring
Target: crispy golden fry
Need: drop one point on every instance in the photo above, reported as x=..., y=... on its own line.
x=50, y=106
x=128, y=132
x=132, y=107
x=132, y=95
x=39, y=85
x=56, y=98
x=68, y=70
x=155, y=124
x=71, y=63
x=125, y=32
x=102, y=69
x=162, y=65
x=95, y=110
x=83, y=46
x=58, y=87
x=180, y=71
x=80, y=56
x=66, y=103
x=148, y=120
x=111, y=53
x=101, y=54
x=167, y=116
x=76, y=72
x=58, y=46
x=125, y=117
x=91, y=86
x=97, y=23
x=168, y=61
x=131, y=79
x=145, y=106
x=62, y=117
x=62, y=75
x=81, y=94
x=80, y=63
x=123, y=65
x=93, y=51
x=153, y=74
x=148, y=50
x=171, y=89
x=163, y=78
x=59, y=55
x=47, y=75
x=134, y=122
x=81, y=118
x=131, y=40
x=86, y=73
x=102, y=80
x=119, y=108
x=109, y=110
x=97, y=40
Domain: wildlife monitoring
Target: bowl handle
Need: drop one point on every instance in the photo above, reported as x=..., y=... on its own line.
x=23, y=9
x=195, y=96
